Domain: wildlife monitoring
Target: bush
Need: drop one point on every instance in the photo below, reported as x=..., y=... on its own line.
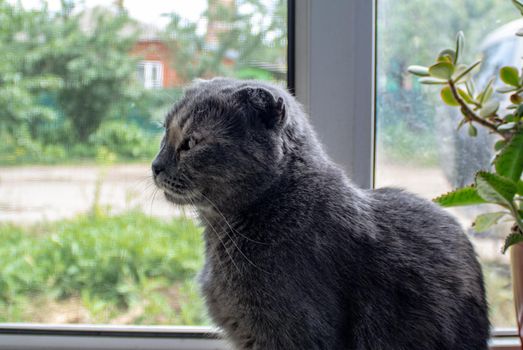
x=112, y=261
x=22, y=148
x=125, y=140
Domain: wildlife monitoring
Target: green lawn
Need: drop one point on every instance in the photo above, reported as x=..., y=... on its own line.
x=129, y=268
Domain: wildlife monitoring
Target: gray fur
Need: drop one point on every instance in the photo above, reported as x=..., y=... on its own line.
x=296, y=256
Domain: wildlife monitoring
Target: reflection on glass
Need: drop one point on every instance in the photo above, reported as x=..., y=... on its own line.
x=84, y=86
x=418, y=146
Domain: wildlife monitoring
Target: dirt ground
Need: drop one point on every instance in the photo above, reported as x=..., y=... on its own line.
x=30, y=194
x=35, y=193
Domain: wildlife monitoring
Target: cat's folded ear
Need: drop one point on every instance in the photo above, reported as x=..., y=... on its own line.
x=261, y=102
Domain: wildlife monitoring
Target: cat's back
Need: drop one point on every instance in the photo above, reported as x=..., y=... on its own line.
x=422, y=258
x=422, y=231
x=402, y=214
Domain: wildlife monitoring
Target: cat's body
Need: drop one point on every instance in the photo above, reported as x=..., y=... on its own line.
x=296, y=256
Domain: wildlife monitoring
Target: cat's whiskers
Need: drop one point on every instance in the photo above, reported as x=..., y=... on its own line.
x=225, y=231
x=152, y=201
x=220, y=213
x=227, y=222
x=143, y=184
x=219, y=238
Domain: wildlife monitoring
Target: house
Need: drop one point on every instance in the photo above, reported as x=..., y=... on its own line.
x=155, y=68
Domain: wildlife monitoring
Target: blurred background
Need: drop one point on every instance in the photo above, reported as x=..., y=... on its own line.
x=84, y=86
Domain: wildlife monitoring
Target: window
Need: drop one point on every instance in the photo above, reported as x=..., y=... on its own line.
x=52, y=188
x=344, y=88
x=84, y=87
x=417, y=144
x=150, y=74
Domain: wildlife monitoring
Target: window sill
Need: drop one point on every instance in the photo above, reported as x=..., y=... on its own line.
x=90, y=337
x=22, y=336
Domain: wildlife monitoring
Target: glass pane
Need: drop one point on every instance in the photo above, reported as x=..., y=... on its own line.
x=85, y=236
x=417, y=144
x=140, y=72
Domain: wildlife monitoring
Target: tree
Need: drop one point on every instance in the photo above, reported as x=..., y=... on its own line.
x=86, y=68
x=19, y=90
x=237, y=34
x=94, y=64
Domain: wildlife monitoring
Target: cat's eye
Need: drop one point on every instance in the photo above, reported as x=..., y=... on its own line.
x=187, y=144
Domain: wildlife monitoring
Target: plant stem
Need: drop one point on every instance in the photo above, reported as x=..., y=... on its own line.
x=514, y=210
x=470, y=115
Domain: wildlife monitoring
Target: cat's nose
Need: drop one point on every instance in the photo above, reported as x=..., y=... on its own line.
x=157, y=167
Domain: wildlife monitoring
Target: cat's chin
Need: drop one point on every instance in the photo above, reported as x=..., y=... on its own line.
x=179, y=199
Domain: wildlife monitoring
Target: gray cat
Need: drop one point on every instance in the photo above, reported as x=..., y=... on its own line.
x=296, y=256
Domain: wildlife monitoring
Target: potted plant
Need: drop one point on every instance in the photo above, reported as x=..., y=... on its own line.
x=501, y=185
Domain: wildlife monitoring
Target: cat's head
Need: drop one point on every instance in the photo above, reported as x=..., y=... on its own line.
x=223, y=142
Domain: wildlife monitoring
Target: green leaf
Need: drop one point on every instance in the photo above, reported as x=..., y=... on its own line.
x=446, y=55
x=460, y=197
x=495, y=188
x=520, y=187
x=506, y=126
x=448, y=97
x=432, y=81
x=467, y=71
x=509, y=75
x=506, y=89
x=509, y=162
x=442, y=70
x=518, y=5
x=473, y=132
x=489, y=108
x=419, y=71
x=460, y=39
x=465, y=96
x=512, y=239
x=485, y=221
x=499, y=145
x=509, y=117
x=519, y=111
x=487, y=92
x=469, y=84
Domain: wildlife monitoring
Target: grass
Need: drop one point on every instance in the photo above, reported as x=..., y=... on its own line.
x=127, y=269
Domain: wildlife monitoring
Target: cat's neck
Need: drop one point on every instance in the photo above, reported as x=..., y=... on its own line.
x=299, y=176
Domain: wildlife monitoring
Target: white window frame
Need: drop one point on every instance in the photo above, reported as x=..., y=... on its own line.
x=148, y=66
x=334, y=79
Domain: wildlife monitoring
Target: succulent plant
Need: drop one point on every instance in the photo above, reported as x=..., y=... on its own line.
x=502, y=185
